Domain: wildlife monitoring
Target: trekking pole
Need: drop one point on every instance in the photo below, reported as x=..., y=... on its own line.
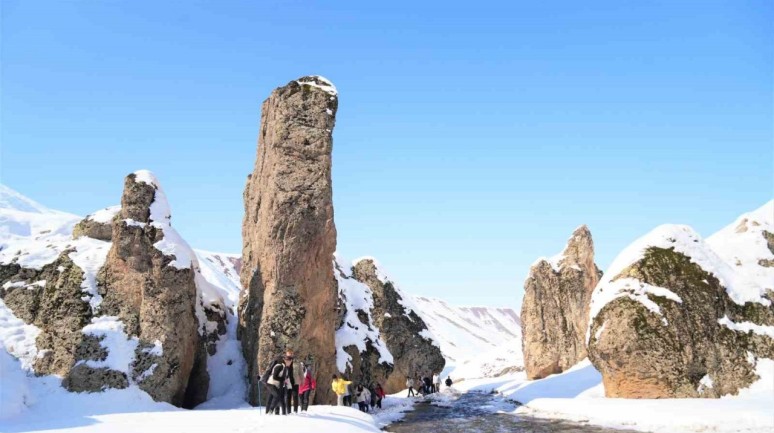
x=259, y=398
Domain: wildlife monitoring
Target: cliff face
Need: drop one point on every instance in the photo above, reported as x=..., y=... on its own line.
x=672, y=319
x=406, y=335
x=289, y=236
x=554, y=314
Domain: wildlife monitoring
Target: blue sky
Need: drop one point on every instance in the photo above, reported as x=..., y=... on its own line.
x=471, y=138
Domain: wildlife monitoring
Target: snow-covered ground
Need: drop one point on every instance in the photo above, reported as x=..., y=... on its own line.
x=29, y=404
x=578, y=395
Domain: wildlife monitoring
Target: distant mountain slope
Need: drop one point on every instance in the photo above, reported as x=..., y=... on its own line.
x=466, y=332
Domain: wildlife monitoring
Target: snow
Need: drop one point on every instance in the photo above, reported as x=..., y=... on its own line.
x=119, y=346
x=356, y=296
x=31, y=234
x=325, y=84
x=406, y=301
x=686, y=241
x=29, y=403
x=464, y=333
x=742, y=245
x=156, y=350
x=747, y=327
x=105, y=216
x=501, y=360
x=578, y=395
x=218, y=281
x=17, y=337
x=160, y=217
x=706, y=382
x=90, y=255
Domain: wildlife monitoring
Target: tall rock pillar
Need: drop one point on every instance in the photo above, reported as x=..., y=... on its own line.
x=288, y=235
x=555, y=310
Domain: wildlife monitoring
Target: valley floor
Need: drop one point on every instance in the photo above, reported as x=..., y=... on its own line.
x=36, y=404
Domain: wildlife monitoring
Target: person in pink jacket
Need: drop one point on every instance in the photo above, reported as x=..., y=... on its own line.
x=308, y=384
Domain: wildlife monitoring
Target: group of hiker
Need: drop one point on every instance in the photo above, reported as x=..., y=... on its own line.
x=425, y=385
x=288, y=384
x=366, y=396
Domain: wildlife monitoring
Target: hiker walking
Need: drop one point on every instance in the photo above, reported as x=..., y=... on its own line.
x=372, y=401
x=436, y=382
x=293, y=381
x=427, y=385
x=276, y=383
x=350, y=393
x=363, y=398
x=306, y=386
x=448, y=381
x=339, y=386
x=410, y=386
x=379, y=392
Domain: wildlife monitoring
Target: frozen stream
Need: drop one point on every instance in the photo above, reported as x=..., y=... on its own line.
x=478, y=412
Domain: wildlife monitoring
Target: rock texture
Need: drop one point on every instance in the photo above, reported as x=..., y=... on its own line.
x=98, y=225
x=155, y=296
x=365, y=357
x=289, y=236
x=403, y=331
x=555, y=310
x=673, y=320
x=51, y=299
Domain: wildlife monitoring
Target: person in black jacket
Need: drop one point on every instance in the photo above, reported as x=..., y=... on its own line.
x=276, y=384
x=291, y=391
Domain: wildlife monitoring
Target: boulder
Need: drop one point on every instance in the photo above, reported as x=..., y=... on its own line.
x=555, y=309
x=289, y=236
x=672, y=319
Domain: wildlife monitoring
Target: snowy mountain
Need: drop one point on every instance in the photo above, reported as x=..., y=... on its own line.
x=476, y=341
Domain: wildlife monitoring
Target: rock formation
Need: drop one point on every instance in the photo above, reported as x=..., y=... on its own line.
x=289, y=236
x=555, y=310
x=51, y=299
x=117, y=309
x=406, y=335
x=361, y=352
x=148, y=283
x=98, y=225
x=672, y=319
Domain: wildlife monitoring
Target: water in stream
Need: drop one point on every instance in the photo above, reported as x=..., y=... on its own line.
x=477, y=412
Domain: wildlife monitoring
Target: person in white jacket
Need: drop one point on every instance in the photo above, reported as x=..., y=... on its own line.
x=436, y=383
x=363, y=398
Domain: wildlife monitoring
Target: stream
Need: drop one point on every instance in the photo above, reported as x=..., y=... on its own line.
x=477, y=412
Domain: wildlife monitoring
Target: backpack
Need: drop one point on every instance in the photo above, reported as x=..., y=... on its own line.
x=267, y=373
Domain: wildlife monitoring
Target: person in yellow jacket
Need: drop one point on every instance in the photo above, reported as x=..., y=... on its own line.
x=339, y=386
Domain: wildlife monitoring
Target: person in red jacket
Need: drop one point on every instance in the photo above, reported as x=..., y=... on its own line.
x=379, y=391
x=308, y=384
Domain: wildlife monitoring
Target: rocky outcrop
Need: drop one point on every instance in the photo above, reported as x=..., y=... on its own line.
x=672, y=319
x=98, y=225
x=289, y=236
x=51, y=299
x=406, y=335
x=555, y=309
x=361, y=353
x=148, y=283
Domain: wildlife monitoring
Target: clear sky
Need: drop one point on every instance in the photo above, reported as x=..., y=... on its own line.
x=471, y=138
